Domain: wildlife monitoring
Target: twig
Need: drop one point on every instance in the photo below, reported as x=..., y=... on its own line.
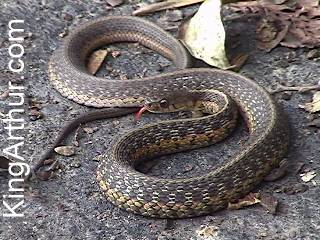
x=301, y=89
x=155, y=7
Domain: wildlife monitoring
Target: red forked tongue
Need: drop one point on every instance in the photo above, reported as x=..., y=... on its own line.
x=139, y=114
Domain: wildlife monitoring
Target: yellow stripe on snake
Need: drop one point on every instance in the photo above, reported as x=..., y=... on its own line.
x=171, y=198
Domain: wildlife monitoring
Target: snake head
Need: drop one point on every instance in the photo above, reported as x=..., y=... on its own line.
x=155, y=106
x=172, y=102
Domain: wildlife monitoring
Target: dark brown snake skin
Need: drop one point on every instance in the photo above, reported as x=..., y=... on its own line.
x=152, y=196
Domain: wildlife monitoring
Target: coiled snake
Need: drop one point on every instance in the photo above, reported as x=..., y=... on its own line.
x=157, y=197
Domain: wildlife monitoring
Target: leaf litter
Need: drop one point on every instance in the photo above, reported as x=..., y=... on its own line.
x=294, y=23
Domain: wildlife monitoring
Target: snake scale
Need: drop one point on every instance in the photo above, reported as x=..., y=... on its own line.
x=158, y=197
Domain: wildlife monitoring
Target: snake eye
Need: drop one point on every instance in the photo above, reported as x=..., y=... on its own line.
x=164, y=103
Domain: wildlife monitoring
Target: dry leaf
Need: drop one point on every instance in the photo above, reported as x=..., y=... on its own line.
x=238, y=62
x=270, y=36
x=207, y=232
x=204, y=41
x=308, y=176
x=297, y=23
x=95, y=60
x=314, y=53
x=250, y=199
x=35, y=115
x=4, y=95
x=89, y=130
x=314, y=106
x=115, y=54
x=169, y=4
x=65, y=150
x=114, y=3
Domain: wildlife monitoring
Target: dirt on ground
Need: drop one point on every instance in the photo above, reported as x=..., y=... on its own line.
x=71, y=206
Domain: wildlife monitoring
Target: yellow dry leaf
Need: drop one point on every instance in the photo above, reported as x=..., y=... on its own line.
x=65, y=150
x=314, y=106
x=95, y=60
x=208, y=232
x=308, y=176
x=250, y=199
x=204, y=35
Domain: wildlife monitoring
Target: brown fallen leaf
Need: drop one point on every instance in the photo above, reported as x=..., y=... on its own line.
x=238, y=62
x=35, y=115
x=95, y=60
x=35, y=104
x=115, y=54
x=270, y=36
x=4, y=95
x=314, y=106
x=65, y=150
x=250, y=199
x=301, y=89
x=313, y=54
x=169, y=4
x=269, y=203
x=77, y=136
x=114, y=3
x=297, y=22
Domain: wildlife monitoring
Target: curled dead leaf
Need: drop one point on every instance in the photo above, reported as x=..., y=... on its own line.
x=250, y=199
x=95, y=60
x=65, y=150
x=297, y=23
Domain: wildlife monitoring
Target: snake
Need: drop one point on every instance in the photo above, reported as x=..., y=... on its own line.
x=117, y=176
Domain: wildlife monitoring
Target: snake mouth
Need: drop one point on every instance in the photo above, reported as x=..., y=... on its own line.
x=141, y=111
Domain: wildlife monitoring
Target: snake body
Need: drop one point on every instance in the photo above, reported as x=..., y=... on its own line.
x=158, y=197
